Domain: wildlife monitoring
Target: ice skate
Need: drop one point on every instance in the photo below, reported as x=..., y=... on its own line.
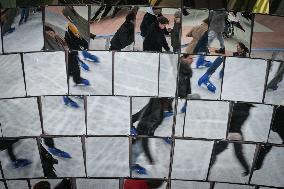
x=168, y=114
x=68, y=101
x=168, y=140
x=90, y=57
x=133, y=131
x=84, y=82
x=84, y=65
x=59, y=153
x=21, y=163
x=205, y=80
x=201, y=62
x=183, y=109
x=139, y=169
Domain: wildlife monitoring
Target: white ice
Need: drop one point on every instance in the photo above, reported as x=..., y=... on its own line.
x=227, y=167
x=59, y=119
x=11, y=76
x=231, y=186
x=97, y=183
x=108, y=115
x=136, y=76
x=107, y=156
x=45, y=73
x=26, y=37
x=272, y=171
x=191, y=159
x=2, y=186
x=206, y=119
x=244, y=79
x=20, y=117
x=14, y=184
x=176, y=184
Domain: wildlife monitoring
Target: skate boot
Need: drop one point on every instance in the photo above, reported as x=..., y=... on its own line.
x=201, y=62
x=59, y=153
x=84, y=82
x=84, y=65
x=183, y=109
x=168, y=114
x=68, y=101
x=139, y=169
x=205, y=80
x=220, y=51
x=133, y=131
x=88, y=56
x=168, y=140
x=21, y=163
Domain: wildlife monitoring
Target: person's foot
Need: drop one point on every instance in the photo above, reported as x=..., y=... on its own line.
x=21, y=163
x=183, y=109
x=205, y=80
x=168, y=114
x=83, y=82
x=133, y=131
x=168, y=140
x=139, y=169
x=201, y=62
x=68, y=101
x=220, y=51
x=59, y=153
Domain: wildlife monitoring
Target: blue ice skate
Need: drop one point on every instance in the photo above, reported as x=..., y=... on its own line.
x=183, y=109
x=90, y=57
x=168, y=114
x=59, y=153
x=139, y=169
x=205, y=80
x=201, y=62
x=21, y=163
x=168, y=140
x=133, y=131
x=84, y=82
x=68, y=101
x=84, y=65
x=221, y=74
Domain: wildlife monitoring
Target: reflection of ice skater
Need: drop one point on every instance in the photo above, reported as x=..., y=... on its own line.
x=278, y=127
x=149, y=117
x=25, y=12
x=239, y=116
x=278, y=77
x=216, y=28
x=64, y=184
x=184, y=84
x=125, y=34
x=175, y=32
x=8, y=145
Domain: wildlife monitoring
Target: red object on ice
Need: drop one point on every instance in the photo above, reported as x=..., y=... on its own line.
x=135, y=184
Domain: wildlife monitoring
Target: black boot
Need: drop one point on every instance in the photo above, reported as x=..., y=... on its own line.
x=220, y=51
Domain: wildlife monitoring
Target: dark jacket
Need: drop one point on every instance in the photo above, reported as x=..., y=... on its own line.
x=74, y=42
x=175, y=36
x=155, y=39
x=184, y=85
x=147, y=21
x=123, y=37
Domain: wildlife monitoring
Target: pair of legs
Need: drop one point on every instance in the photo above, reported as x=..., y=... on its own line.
x=25, y=12
x=212, y=35
x=277, y=78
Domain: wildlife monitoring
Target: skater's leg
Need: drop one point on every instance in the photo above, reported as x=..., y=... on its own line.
x=277, y=78
x=240, y=155
x=137, y=149
x=221, y=40
x=107, y=9
x=278, y=122
x=49, y=142
x=27, y=13
x=145, y=145
x=11, y=154
x=22, y=15
x=263, y=151
x=217, y=62
x=211, y=37
x=219, y=148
